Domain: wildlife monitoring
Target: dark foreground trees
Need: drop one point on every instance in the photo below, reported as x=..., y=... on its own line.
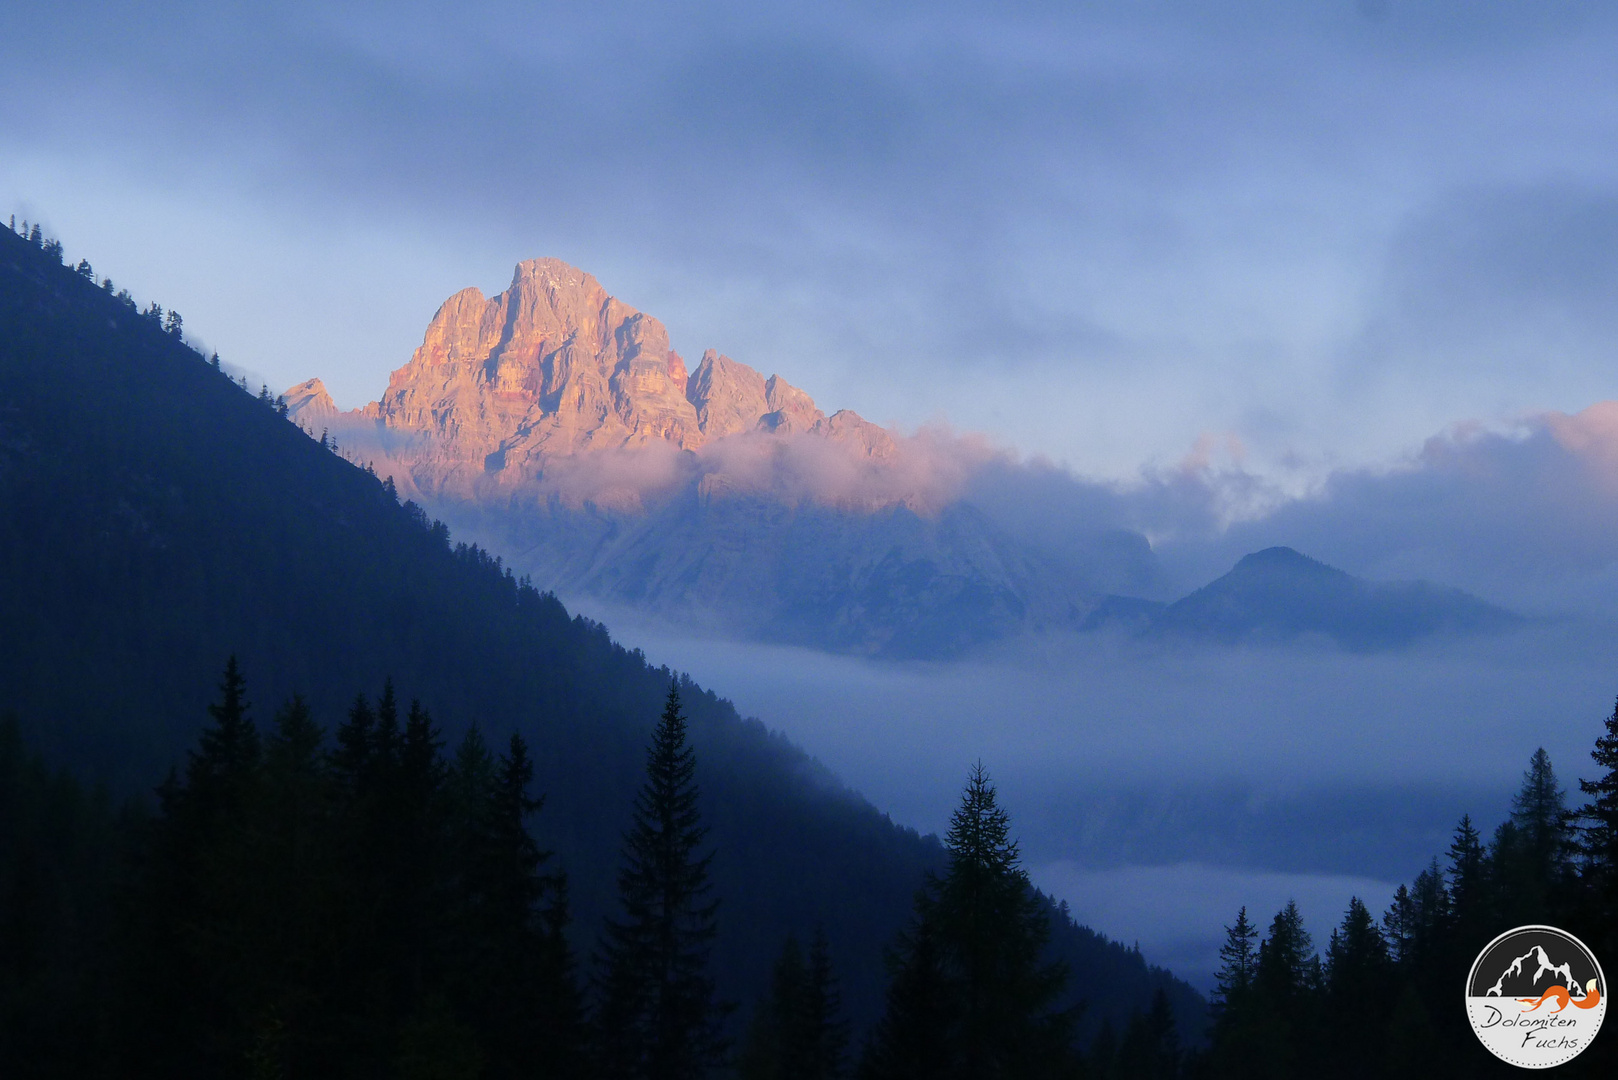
x=293, y=909
x=1387, y=1001
x=798, y=1032
x=659, y=1017
x=972, y=995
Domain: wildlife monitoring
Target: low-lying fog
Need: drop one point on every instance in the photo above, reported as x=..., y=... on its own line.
x=1159, y=789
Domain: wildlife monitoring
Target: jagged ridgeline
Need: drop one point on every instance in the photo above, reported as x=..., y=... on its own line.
x=158, y=519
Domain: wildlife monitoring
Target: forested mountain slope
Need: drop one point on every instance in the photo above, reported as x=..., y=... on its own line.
x=155, y=518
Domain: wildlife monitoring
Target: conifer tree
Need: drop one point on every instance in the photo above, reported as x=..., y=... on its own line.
x=202, y=889
x=1287, y=967
x=916, y=1037
x=798, y=1032
x=1598, y=818
x=1286, y=985
x=1471, y=918
x=989, y=928
x=659, y=1018
x=1150, y=1047
x=1237, y=1027
x=519, y=973
x=221, y=769
x=1399, y=925
x=351, y=758
x=826, y=1044
x=407, y=830
x=1597, y=848
x=295, y=938
x=1430, y=916
x=1359, y=977
x=1533, y=849
x=1238, y=961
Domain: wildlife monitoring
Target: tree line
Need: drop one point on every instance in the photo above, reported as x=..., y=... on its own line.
x=173, y=324
x=1386, y=998
x=169, y=322
x=370, y=902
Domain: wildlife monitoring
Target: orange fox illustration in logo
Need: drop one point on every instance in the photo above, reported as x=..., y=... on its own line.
x=1559, y=994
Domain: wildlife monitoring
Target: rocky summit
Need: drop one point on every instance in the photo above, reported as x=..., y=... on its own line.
x=554, y=367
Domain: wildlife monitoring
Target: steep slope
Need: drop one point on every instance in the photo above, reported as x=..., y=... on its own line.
x=1279, y=594
x=158, y=518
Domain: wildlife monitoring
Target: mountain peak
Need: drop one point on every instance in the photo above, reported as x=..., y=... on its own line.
x=555, y=366
x=1280, y=593
x=554, y=273
x=309, y=403
x=1282, y=558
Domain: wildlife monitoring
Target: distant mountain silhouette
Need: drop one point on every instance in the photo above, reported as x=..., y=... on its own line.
x=157, y=518
x=1279, y=594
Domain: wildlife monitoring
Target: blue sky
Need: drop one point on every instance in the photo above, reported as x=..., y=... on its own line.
x=1094, y=231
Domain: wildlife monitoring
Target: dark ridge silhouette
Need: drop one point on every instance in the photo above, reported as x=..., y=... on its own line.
x=159, y=517
x=1278, y=595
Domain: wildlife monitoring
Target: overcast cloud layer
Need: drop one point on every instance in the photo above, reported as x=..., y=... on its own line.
x=1094, y=231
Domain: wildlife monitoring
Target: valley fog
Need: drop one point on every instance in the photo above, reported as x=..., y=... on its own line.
x=1157, y=789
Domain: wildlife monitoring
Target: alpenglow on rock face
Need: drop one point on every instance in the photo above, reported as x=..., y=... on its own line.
x=553, y=367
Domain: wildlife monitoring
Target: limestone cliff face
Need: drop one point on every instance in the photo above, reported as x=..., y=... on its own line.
x=552, y=366
x=503, y=387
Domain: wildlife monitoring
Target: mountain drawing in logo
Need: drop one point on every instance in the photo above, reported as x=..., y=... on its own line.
x=1562, y=974
x=1534, y=997
x=1528, y=963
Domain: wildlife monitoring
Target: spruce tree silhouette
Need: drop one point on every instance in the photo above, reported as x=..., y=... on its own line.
x=658, y=1017
x=1238, y=960
x=1532, y=868
x=1286, y=987
x=1237, y=1029
x=972, y=995
x=798, y=1032
x=1598, y=821
x=1359, y=971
